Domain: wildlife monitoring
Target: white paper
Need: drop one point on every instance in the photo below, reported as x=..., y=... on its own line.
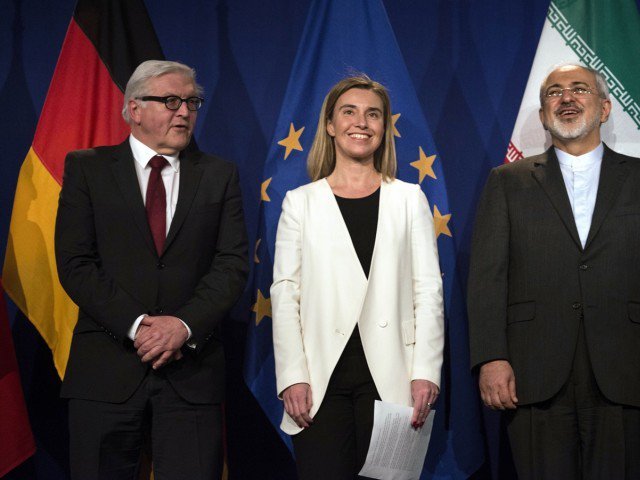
x=397, y=451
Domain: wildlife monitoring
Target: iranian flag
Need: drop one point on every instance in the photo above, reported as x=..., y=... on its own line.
x=603, y=35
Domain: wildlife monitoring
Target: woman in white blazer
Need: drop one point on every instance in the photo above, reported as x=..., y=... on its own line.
x=357, y=291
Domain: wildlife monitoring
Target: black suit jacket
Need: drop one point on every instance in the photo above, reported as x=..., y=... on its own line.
x=108, y=265
x=531, y=283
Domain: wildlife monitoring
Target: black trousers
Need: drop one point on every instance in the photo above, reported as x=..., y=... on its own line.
x=577, y=434
x=335, y=446
x=107, y=438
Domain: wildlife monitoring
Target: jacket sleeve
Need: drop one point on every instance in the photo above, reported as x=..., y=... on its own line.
x=219, y=289
x=427, y=293
x=291, y=362
x=79, y=266
x=488, y=275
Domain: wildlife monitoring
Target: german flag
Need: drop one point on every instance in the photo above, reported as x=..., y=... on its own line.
x=105, y=42
x=16, y=437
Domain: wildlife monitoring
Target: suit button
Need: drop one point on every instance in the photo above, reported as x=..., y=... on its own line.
x=583, y=267
x=382, y=324
x=159, y=310
x=576, y=306
x=160, y=265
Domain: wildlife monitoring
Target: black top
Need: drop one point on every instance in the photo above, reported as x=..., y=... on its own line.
x=361, y=218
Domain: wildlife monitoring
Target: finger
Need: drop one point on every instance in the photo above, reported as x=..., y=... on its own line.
x=498, y=398
x=178, y=355
x=302, y=410
x=148, y=337
x=416, y=414
x=512, y=391
x=151, y=354
x=162, y=360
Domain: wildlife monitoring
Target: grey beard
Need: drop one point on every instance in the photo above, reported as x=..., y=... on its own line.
x=573, y=130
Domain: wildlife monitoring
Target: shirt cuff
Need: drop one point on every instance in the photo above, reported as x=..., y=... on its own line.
x=188, y=331
x=134, y=328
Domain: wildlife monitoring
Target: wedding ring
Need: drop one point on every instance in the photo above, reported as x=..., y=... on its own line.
x=429, y=405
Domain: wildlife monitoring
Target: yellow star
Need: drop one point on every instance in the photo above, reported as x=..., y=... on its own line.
x=395, y=118
x=292, y=141
x=255, y=251
x=440, y=222
x=263, y=190
x=424, y=165
x=262, y=307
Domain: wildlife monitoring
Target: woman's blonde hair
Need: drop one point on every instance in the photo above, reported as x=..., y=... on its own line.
x=322, y=156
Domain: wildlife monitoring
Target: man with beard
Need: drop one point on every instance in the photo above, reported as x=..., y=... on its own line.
x=554, y=293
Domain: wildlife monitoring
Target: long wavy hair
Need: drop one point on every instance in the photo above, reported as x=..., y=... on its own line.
x=322, y=156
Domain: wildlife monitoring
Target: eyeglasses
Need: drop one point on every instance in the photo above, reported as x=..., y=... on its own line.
x=173, y=102
x=556, y=92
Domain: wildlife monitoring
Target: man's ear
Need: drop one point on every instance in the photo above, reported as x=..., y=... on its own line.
x=134, y=108
x=541, y=114
x=606, y=111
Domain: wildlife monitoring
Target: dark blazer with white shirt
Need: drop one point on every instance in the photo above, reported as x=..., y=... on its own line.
x=108, y=265
x=531, y=282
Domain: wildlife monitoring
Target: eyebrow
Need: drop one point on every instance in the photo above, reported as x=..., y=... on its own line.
x=573, y=84
x=348, y=105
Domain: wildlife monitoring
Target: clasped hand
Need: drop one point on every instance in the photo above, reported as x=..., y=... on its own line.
x=159, y=339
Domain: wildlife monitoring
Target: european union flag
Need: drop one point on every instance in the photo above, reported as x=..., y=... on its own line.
x=341, y=38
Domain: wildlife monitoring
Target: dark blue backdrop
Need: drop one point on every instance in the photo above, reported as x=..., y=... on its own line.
x=468, y=60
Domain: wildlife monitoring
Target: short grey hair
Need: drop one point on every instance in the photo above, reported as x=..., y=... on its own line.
x=601, y=83
x=137, y=84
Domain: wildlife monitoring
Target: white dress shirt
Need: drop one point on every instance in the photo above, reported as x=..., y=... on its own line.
x=581, y=176
x=171, y=179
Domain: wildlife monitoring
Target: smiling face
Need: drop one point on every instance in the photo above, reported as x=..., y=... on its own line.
x=165, y=131
x=574, y=118
x=357, y=125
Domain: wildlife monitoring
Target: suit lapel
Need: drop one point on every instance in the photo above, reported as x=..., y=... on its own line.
x=613, y=174
x=380, y=226
x=339, y=230
x=546, y=170
x=190, y=174
x=125, y=174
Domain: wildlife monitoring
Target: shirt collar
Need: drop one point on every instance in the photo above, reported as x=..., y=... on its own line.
x=581, y=162
x=142, y=154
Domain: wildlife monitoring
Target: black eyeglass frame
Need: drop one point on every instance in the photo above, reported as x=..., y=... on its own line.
x=170, y=98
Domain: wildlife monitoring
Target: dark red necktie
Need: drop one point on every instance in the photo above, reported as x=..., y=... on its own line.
x=156, y=202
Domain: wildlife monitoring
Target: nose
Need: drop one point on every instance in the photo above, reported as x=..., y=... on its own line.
x=183, y=111
x=361, y=120
x=567, y=93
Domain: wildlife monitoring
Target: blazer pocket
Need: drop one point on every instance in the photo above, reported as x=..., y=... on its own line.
x=521, y=312
x=87, y=327
x=409, y=332
x=634, y=312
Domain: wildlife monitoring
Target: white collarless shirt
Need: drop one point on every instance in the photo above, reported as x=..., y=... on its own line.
x=581, y=176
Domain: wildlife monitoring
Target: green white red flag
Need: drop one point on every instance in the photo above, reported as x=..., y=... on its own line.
x=604, y=35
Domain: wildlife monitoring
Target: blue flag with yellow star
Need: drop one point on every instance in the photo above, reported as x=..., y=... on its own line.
x=342, y=38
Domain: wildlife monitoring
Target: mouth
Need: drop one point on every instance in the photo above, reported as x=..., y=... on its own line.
x=568, y=112
x=359, y=136
x=180, y=128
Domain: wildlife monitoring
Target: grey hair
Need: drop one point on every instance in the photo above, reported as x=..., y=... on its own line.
x=601, y=83
x=137, y=84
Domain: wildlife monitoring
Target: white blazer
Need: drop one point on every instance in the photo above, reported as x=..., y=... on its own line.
x=320, y=292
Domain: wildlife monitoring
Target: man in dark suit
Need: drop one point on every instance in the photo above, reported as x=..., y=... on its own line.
x=151, y=245
x=554, y=293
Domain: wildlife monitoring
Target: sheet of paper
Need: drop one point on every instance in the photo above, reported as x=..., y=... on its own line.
x=397, y=451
